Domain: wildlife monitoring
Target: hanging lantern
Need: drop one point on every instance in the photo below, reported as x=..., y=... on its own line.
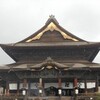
x=76, y=91
x=24, y=92
x=40, y=91
x=59, y=91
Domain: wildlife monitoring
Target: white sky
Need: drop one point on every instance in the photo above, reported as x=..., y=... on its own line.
x=21, y=18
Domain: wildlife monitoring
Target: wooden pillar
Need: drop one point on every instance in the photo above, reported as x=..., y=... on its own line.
x=75, y=82
x=40, y=82
x=43, y=84
x=18, y=83
x=40, y=87
x=96, y=85
x=29, y=88
x=59, y=83
x=7, y=88
x=59, y=86
x=25, y=83
x=24, y=91
x=85, y=84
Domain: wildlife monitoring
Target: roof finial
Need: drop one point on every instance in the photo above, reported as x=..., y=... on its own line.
x=51, y=16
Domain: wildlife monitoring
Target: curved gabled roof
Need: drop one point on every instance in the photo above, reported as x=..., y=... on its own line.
x=49, y=63
x=53, y=36
x=51, y=27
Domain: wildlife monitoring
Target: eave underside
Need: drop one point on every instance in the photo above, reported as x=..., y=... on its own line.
x=49, y=70
x=49, y=64
x=38, y=53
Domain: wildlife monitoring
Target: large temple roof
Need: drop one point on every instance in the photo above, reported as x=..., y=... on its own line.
x=52, y=37
x=52, y=34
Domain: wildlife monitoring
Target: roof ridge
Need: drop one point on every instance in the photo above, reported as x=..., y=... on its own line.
x=51, y=19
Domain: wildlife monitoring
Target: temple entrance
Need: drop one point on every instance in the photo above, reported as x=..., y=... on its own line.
x=67, y=92
x=51, y=91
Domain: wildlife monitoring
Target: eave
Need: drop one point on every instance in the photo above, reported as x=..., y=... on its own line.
x=56, y=44
x=6, y=48
x=75, y=45
x=49, y=64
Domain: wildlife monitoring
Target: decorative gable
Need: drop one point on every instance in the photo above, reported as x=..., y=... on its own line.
x=51, y=27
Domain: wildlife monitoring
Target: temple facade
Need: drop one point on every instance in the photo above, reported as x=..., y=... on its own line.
x=51, y=62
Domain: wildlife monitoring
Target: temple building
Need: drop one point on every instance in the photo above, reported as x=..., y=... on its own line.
x=51, y=62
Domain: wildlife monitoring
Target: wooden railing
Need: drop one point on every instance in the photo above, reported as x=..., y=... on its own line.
x=12, y=97
x=83, y=96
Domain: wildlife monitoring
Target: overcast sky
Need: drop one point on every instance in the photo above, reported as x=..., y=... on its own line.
x=21, y=18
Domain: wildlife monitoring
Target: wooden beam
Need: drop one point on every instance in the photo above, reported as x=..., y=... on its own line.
x=85, y=83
